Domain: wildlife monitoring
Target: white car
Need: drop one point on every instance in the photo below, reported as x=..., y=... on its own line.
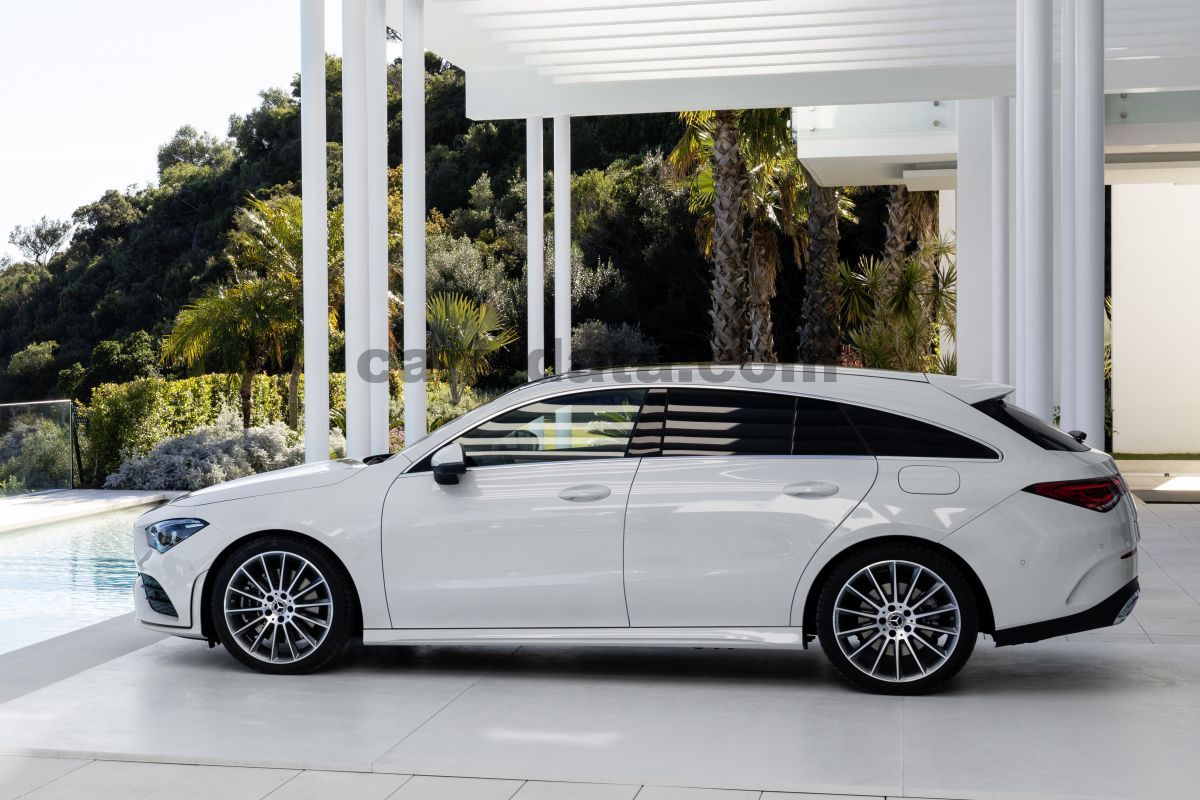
x=892, y=516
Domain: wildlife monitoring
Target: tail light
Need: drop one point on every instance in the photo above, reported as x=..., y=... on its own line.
x=1098, y=494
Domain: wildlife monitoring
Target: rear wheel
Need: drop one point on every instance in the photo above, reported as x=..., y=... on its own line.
x=282, y=606
x=897, y=619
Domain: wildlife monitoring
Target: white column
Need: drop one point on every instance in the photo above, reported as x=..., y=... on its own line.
x=1089, y=220
x=377, y=212
x=413, y=155
x=1035, y=248
x=973, y=230
x=357, y=226
x=1066, y=221
x=314, y=177
x=562, y=244
x=1001, y=273
x=535, y=270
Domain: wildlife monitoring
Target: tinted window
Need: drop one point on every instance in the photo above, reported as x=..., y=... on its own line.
x=716, y=422
x=893, y=435
x=822, y=429
x=586, y=425
x=1036, y=430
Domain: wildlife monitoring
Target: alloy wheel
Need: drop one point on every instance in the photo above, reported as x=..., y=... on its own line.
x=897, y=621
x=279, y=607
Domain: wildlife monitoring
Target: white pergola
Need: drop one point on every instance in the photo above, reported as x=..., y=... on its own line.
x=534, y=59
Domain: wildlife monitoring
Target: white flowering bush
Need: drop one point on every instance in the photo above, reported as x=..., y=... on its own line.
x=214, y=454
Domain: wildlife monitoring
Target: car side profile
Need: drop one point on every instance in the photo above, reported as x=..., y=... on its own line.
x=893, y=517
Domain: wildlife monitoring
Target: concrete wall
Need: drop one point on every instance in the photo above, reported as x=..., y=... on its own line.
x=1156, y=318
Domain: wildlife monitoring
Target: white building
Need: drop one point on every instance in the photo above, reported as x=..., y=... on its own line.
x=1018, y=110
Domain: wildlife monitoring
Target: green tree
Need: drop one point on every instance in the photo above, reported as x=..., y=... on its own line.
x=189, y=146
x=239, y=328
x=897, y=317
x=463, y=336
x=820, y=329
x=40, y=241
x=33, y=359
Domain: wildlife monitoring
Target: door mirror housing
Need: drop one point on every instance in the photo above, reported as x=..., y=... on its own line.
x=448, y=463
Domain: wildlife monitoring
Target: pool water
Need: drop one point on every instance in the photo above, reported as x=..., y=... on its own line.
x=58, y=578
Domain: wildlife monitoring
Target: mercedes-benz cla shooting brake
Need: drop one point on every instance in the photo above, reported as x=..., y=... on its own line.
x=892, y=517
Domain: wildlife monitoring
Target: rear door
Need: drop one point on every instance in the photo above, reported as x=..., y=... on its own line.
x=738, y=490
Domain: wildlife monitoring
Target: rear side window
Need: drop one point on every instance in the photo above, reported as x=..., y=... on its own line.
x=1036, y=430
x=893, y=435
x=823, y=429
x=716, y=422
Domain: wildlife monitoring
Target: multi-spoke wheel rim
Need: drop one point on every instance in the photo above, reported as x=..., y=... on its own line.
x=279, y=607
x=897, y=621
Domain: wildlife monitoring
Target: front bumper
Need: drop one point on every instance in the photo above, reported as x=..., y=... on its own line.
x=1111, y=611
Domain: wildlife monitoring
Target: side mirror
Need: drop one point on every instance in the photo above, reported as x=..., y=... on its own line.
x=448, y=463
x=1078, y=436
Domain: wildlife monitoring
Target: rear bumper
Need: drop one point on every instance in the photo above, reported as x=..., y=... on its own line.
x=1111, y=611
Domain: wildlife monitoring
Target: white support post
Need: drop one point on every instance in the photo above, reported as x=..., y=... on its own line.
x=1066, y=219
x=357, y=227
x=973, y=230
x=535, y=270
x=413, y=155
x=1001, y=272
x=562, y=244
x=377, y=247
x=1089, y=221
x=1035, y=247
x=314, y=176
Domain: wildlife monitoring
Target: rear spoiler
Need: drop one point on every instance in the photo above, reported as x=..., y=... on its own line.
x=970, y=390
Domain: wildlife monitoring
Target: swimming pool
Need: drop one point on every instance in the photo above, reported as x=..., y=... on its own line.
x=61, y=577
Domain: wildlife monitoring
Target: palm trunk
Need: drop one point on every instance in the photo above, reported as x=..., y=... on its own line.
x=821, y=329
x=293, y=416
x=729, y=261
x=764, y=266
x=899, y=228
x=247, y=395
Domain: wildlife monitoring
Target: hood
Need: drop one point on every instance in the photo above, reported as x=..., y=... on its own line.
x=292, y=479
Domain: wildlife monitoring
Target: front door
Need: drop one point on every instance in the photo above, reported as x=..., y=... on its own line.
x=530, y=537
x=744, y=489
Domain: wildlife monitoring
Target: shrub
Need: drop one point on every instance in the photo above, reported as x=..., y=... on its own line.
x=35, y=453
x=596, y=344
x=213, y=454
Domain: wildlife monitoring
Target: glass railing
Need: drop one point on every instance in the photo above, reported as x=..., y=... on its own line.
x=36, y=446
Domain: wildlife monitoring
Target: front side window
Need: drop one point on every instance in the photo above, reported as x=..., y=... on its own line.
x=571, y=427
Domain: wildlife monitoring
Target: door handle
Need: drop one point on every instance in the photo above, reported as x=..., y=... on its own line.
x=812, y=489
x=585, y=493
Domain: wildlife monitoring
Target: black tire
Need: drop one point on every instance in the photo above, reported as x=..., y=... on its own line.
x=911, y=622
x=310, y=645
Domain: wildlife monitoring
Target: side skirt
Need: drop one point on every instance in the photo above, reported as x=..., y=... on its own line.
x=786, y=638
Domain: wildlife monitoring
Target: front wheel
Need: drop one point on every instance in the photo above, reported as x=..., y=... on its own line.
x=282, y=606
x=897, y=619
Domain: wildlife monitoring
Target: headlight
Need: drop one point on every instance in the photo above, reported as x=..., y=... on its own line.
x=164, y=535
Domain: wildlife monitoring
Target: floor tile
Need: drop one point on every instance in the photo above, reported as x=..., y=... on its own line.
x=109, y=780
x=662, y=718
x=423, y=787
x=21, y=774
x=321, y=785
x=802, y=796
x=1171, y=627
x=675, y=793
x=227, y=783
x=1182, y=640
x=546, y=790
x=215, y=711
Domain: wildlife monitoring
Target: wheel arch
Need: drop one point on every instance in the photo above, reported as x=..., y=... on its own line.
x=987, y=622
x=206, y=621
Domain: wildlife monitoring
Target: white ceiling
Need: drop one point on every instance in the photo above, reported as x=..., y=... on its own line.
x=545, y=57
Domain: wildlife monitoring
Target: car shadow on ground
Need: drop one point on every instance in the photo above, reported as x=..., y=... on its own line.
x=1058, y=668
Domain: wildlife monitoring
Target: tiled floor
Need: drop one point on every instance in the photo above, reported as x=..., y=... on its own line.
x=1114, y=713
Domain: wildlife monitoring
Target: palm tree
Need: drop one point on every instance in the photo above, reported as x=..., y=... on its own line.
x=237, y=328
x=463, y=335
x=820, y=330
x=268, y=242
x=897, y=316
x=743, y=177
